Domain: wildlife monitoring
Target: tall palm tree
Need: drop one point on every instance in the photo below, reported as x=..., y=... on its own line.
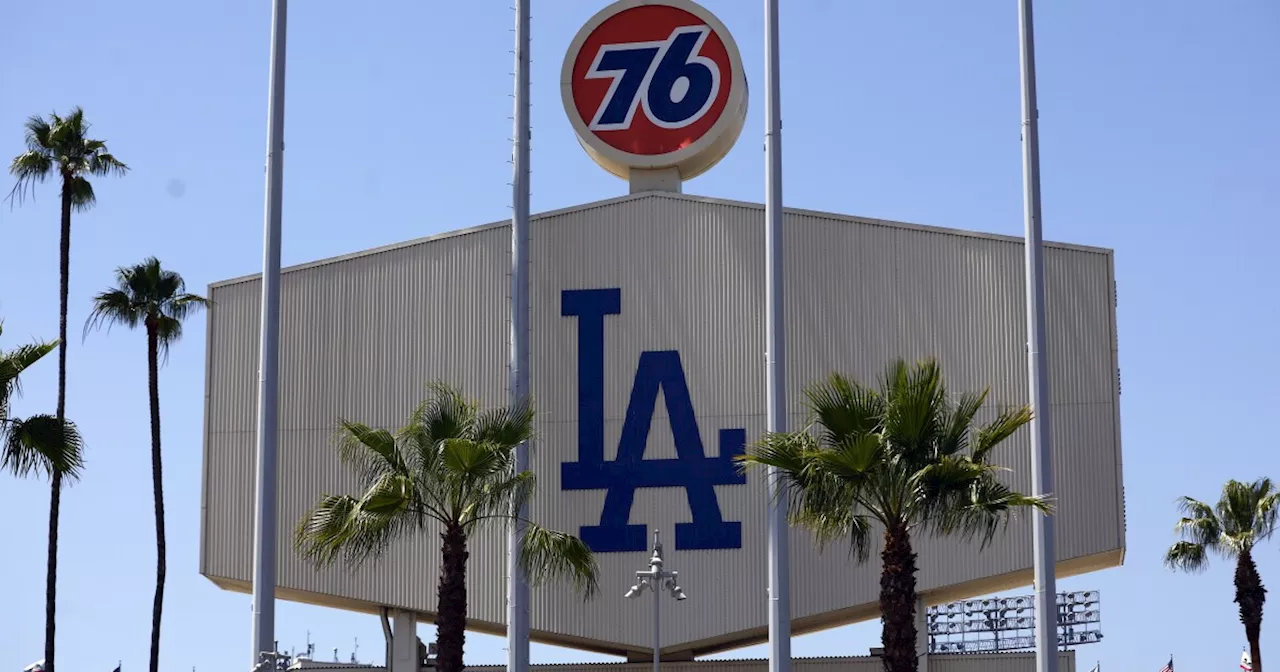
x=451, y=468
x=155, y=298
x=60, y=146
x=903, y=458
x=1244, y=517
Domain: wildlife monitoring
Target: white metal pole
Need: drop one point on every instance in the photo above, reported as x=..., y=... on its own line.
x=776, y=355
x=1037, y=357
x=264, y=555
x=657, y=617
x=517, y=587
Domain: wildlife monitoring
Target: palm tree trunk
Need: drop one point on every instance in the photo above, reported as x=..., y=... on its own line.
x=1250, y=595
x=898, y=600
x=55, y=488
x=157, y=485
x=451, y=610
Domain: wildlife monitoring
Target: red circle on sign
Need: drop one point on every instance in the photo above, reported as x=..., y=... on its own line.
x=648, y=23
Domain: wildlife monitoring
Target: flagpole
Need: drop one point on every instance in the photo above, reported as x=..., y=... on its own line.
x=776, y=351
x=518, y=385
x=1037, y=358
x=264, y=556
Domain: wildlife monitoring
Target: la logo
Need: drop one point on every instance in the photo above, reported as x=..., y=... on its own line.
x=658, y=370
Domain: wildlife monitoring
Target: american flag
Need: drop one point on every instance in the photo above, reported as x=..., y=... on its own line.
x=1169, y=667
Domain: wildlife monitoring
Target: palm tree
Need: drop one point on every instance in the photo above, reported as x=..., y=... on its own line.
x=451, y=468
x=60, y=145
x=149, y=295
x=905, y=457
x=36, y=444
x=1244, y=517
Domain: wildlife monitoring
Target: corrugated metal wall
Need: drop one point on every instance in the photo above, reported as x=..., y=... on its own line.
x=362, y=335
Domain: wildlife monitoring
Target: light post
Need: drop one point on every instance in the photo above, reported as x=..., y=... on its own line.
x=655, y=579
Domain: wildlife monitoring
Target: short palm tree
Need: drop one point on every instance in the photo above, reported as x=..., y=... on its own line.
x=1244, y=517
x=452, y=469
x=903, y=458
x=60, y=146
x=147, y=295
x=33, y=444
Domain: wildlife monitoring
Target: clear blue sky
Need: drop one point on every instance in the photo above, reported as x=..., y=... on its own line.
x=1158, y=136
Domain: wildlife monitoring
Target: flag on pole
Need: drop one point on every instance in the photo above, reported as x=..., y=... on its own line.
x=1169, y=667
x=1097, y=668
x=1246, y=663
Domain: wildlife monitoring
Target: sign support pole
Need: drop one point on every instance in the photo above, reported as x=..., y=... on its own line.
x=517, y=587
x=776, y=355
x=1037, y=357
x=264, y=552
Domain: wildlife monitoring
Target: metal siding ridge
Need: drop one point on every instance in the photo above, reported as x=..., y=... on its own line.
x=595, y=205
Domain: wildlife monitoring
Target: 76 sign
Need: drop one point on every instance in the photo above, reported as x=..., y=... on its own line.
x=653, y=85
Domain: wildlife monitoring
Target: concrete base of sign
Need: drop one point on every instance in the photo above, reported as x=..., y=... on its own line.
x=664, y=179
x=404, y=642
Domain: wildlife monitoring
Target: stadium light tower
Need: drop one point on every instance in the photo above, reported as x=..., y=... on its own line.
x=656, y=579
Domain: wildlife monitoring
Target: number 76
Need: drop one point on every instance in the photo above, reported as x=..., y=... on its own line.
x=674, y=84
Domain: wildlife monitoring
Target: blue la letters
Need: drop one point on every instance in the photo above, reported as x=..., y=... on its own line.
x=692, y=470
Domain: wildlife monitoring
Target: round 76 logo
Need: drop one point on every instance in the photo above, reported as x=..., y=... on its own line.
x=654, y=84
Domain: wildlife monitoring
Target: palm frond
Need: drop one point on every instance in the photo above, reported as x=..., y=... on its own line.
x=843, y=408
x=1236, y=508
x=111, y=307
x=473, y=461
x=506, y=426
x=168, y=332
x=182, y=305
x=498, y=500
x=446, y=414
x=13, y=363
x=391, y=494
x=36, y=133
x=830, y=524
x=780, y=450
x=371, y=452
x=994, y=433
x=322, y=533
x=984, y=510
x=957, y=426
x=30, y=168
x=341, y=526
x=826, y=490
x=546, y=555
x=853, y=461
x=1187, y=556
x=1194, y=508
x=1199, y=524
x=75, y=121
x=81, y=193
x=1267, y=509
x=41, y=444
x=103, y=163
x=915, y=405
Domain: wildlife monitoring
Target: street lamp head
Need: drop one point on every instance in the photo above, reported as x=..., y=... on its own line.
x=679, y=593
x=633, y=592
